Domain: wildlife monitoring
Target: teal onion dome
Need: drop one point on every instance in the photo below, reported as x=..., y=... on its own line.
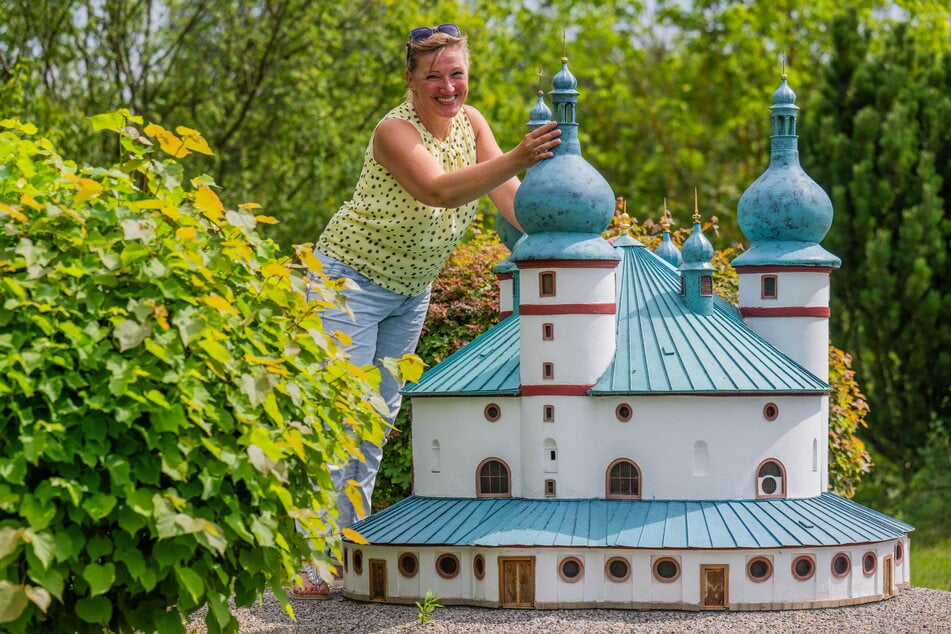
x=697, y=250
x=563, y=203
x=540, y=114
x=668, y=251
x=784, y=213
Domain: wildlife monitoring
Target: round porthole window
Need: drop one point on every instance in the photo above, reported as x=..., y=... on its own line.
x=478, y=566
x=617, y=569
x=869, y=563
x=666, y=569
x=571, y=569
x=447, y=566
x=803, y=568
x=770, y=411
x=759, y=569
x=899, y=553
x=358, y=562
x=841, y=564
x=492, y=412
x=624, y=412
x=408, y=565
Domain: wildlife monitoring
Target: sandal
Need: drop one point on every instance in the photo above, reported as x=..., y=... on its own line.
x=309, y=585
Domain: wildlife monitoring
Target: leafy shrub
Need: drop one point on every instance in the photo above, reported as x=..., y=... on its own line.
x=163, y=403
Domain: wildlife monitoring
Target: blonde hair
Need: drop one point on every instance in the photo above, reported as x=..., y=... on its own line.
x=435, y=42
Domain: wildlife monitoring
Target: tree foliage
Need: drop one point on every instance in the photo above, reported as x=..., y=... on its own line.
x=885, y=162
x=167, y=394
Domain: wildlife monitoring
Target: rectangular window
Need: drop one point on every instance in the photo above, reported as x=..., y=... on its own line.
x=706, y=285
x=549, y=488
x=769, y=290
x=548, y=332
x=549, y=414
x=546, y=284
x=548, y=370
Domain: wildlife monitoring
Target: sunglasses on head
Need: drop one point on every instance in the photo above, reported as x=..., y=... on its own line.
x=421, y=33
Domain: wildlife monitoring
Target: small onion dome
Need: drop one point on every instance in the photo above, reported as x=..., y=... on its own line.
x=540, y=114
x=668, y=251
x=697, y=250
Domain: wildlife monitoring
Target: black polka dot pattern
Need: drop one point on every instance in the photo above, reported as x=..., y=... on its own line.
x=388, y=236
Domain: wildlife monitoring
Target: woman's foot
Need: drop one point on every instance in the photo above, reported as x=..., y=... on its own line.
x=310, y=586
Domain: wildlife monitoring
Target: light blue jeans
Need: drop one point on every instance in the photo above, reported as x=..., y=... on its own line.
x=386, y=324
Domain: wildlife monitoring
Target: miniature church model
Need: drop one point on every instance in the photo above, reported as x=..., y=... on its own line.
x=626, y=438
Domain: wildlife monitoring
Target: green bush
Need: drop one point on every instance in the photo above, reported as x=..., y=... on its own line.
x=166, y=392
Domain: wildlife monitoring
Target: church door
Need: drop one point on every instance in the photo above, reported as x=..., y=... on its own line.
x=713, y=586
x=517, y=582
x=887, y=590
x=378, y=580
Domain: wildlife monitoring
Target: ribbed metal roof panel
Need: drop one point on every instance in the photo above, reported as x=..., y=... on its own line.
x=826, y=520
x=663, y=347
x=489, y=364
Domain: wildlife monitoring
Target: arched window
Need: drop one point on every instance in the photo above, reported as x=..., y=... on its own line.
x=550, y=456
x=434, y=457
x=771, y=479
x=492, y=479
x=623, y=480
x=701, y=459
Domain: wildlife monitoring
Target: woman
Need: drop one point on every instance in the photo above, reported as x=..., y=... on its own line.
x=428, y=162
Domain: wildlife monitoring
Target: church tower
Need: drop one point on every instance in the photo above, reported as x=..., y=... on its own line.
x=784, y=275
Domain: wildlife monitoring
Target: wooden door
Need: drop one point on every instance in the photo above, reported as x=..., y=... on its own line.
x=517, y=582
x=377, y=580
x=887, y=572
x=714, y=591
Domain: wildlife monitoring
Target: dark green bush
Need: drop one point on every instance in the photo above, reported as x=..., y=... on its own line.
x=163, y=403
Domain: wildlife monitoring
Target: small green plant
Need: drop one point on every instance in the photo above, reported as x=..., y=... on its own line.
x=427, y=607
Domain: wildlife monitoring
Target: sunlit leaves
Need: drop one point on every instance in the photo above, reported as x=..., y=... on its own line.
x=165, y=404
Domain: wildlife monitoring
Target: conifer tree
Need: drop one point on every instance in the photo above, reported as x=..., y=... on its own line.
x=884, y=155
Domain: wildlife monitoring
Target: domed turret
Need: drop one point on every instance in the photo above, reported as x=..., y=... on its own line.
x=696, y=272
x=784, y=213
x=667, y=250
x=564, y=204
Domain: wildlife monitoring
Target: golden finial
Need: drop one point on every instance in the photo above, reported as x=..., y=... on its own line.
x=783, y=57
x=540, y=73
x=665, y=219
x=696, y=206
x=564, y=45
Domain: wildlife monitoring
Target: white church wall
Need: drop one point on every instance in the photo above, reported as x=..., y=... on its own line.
x=804, y=339
x=794, y=288
x=465, y=438
x=589, y=285
x=580, y=351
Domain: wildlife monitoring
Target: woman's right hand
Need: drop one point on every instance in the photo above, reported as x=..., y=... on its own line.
x=537, y=145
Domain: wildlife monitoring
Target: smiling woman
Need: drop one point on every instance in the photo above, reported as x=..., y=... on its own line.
x=425, y=167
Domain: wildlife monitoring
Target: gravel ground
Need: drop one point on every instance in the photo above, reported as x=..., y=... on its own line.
x=915, y=610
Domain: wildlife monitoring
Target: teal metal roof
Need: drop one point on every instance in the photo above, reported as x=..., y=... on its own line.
x=662, y=346
x=826, y=520
x=488, y=364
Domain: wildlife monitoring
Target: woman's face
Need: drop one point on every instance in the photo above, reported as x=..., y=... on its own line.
x=440, y=82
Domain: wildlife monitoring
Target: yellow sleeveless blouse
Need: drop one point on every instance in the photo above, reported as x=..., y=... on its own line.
x=386, y=234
